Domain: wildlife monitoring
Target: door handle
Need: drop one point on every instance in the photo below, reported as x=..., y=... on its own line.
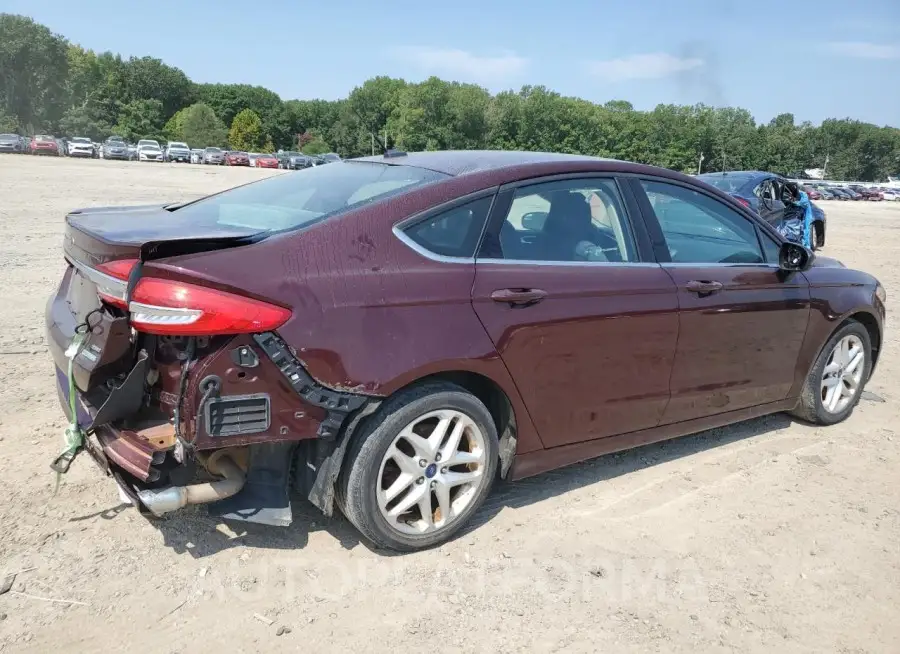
x=704, y=288
x=519, y=297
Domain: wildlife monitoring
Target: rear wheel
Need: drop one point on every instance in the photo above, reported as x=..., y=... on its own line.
x=836, y=380
x=420, y=468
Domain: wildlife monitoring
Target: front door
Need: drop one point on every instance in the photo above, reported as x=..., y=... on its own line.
x=771, y=202
x=586, y=328
x=742, y=320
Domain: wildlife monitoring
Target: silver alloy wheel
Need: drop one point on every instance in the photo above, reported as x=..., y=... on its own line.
x=842, y=376
x=431, y=472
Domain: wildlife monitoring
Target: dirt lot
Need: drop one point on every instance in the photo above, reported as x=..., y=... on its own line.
x=767, y=536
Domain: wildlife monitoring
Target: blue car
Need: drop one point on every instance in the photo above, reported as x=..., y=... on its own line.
x=766, y=194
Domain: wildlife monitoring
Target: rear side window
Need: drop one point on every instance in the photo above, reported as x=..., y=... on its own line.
x=455, y=232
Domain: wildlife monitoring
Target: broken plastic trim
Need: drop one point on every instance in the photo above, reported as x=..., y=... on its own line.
x=337, y=404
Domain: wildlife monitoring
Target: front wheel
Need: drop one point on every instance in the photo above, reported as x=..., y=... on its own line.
x=420, y=468
x=836, y=381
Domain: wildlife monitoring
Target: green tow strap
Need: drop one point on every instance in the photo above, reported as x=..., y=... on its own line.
x=74, y=435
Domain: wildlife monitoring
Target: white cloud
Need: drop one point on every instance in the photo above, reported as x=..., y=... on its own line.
x=643, y=66
x=864, y=50
x=463, y=65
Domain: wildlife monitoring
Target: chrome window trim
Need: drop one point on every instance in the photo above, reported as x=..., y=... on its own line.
x=682, y=264
x=428, y=254
x=579, y=264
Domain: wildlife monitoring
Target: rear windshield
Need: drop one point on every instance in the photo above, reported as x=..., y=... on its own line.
x=300, y=199
x=727, y=183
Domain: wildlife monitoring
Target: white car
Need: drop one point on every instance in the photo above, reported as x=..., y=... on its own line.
x=80, y=146
x=148, y=150
x=893, y=196
x=252, y=157
x=177, y=151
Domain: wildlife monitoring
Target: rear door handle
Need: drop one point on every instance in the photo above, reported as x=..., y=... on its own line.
x=519, y=297
x=703, y=287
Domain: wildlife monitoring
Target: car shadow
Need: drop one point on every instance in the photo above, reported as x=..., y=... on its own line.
x=558, y=482
x=192, y=531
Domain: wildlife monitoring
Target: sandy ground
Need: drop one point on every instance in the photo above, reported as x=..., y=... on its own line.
x=767, y=536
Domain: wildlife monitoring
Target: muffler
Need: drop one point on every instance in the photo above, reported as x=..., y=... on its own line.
x=165, y=500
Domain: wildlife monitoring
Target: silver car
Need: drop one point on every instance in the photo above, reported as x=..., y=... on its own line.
x=214, y=156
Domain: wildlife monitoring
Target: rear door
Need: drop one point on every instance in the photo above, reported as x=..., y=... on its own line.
x=585, y=322
x=742, y=320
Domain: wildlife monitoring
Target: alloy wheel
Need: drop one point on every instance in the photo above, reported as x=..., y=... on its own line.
x=431, y=472
x=842, y=375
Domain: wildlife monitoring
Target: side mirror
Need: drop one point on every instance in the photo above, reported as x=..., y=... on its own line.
x=794, y=257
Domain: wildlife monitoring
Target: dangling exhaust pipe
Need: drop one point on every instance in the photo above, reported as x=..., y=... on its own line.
x=165, y=500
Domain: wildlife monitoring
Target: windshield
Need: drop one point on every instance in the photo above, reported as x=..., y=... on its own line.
x=41, y=137
x=147, y=142
x=213, y=150
x=291, y=201
x=8, y=136
x=727, y=183
x=80, y=139
x=182, y=146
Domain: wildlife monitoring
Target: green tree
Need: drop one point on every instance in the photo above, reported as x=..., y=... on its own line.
x=201, y=127
x=33, y=68
x=141, y=119
x=246, y=131
x=174, y=127
x=149, y=78
x=8, y=123
x=316, y=145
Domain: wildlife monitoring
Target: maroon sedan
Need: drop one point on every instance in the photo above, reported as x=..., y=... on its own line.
x=237, y=159
x=43, y=144
x=391, y=334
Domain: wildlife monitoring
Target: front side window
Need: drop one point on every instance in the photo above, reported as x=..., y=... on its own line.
x=701, y=229
x=455, y=232
x=568, y=221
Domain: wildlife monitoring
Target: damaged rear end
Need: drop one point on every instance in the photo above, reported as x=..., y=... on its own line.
x=183, y=386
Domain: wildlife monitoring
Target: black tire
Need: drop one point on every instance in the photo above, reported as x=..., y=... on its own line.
x=356, y=494
x=810, y=407
x=818, y=235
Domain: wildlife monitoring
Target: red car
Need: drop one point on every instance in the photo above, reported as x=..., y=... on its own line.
x=389, y=335
x=812, y=193
x=43, y=144
x=266, y=161
x=237, y=159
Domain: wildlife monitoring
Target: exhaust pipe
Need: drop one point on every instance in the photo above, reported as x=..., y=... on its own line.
x=164, y=500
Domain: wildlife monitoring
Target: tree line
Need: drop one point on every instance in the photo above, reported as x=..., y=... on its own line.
x=48, y=84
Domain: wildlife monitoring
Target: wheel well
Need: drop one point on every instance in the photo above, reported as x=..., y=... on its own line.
x=871, y=325
x=819, y=226
x=497, y=403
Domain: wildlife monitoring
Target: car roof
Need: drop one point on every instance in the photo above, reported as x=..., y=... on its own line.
x=461, y=162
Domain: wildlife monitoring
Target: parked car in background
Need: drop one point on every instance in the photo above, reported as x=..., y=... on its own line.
x=114, y=148
x=44, y=144
x=866, y=193
x=330, y=157
x=853, y=195
x=79, y=146
x=839, y=194
x=213, y=156
x=11, y=143
x=826, y=194
x=197, y=156
x=812, y=193
x=149, y=151
x=178, y=151
x=564, y=307
x=891, y=195
x=236, y=158
x=767, y=194
x=252, y=157
x=266, y=161
x=295, y=161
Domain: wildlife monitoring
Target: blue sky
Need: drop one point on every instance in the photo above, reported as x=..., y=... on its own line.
x=817, y=59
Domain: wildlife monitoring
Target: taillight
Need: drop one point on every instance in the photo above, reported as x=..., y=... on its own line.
x=163, y=306
x=113, y=290
x=742, y=201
